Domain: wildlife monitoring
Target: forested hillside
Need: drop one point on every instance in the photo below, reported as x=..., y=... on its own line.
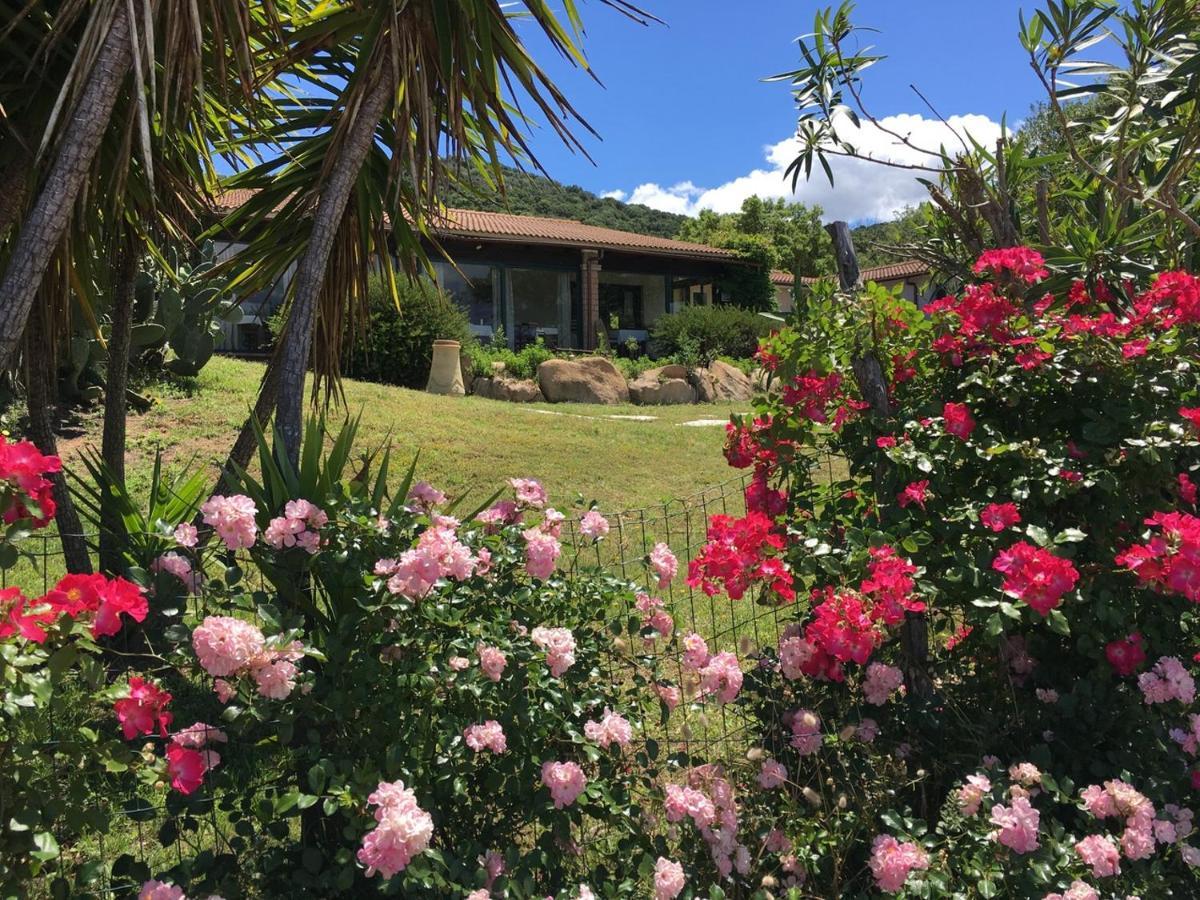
x=529, y=194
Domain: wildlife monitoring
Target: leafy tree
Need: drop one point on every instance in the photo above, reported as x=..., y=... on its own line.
x=365, y=160
x=792, y=232
x=1104, y=182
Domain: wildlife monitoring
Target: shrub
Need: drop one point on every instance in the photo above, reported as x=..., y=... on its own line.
x=396, y=346
x=522, y=363
x=985, y=683
x=699, y=334
x=418, y=705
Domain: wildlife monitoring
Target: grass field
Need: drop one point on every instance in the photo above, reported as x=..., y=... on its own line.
x=466, y=443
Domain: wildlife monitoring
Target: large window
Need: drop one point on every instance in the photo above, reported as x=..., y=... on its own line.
x=621, y=306
x=475, y=288
x=542, y=306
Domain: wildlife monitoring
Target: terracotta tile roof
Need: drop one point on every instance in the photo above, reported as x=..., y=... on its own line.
x=779, y=277
x=909, y=268
x=510, y=228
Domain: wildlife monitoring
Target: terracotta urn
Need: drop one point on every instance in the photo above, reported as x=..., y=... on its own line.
x=445, y=373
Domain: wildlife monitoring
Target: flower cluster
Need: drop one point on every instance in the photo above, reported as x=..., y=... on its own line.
x=1167, y=681
x=403, y=830
x=23, y=483
x=228, y=647
x=892, y=862
x=564, y=780
x=744, y=445
x=1036, y=576
x=94, y=599
x=881, y=682
x=612, y=728
x=180, y=567
x=233, y=518
x=1021, y=263
x=1170, y=560
x=297, y=527
x=1118, y=799
x=1016, y=824
x=559, y=645
x=438, y=554
x=144, y=710
x=738, y=554
x=189, y=756
x=488, y=736
x=664, y=565
x=708, y=799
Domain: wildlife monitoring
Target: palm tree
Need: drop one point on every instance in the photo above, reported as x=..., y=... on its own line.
x=425, y=87
x=129, y=167
x=166, y=64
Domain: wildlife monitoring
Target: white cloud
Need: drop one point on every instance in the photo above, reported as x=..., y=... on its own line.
x=862, y=190
x=614, y=195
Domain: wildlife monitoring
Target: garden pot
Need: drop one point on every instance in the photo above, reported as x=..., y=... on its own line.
x=445, y=373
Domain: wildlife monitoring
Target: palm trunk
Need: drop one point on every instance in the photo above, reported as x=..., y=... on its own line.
x=243, y=447
x=296, y=340
x=47, y=221
x=38, y=375
x=112, y=446
x=14, y=186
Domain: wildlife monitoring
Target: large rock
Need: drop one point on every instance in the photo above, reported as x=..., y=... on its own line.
x=501, y=387
x=592, y=379
x=720, y=383
x=664, y=386
x=765, y=382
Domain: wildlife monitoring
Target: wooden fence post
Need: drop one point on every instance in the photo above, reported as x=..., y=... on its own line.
x=872, y=384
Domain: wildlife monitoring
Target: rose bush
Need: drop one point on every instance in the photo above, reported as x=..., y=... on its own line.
x=995, y=619
x=366, y=689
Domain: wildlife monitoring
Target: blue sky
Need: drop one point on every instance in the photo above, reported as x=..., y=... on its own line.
x=686, y=122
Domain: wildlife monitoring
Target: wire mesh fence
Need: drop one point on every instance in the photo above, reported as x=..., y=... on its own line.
x=153, y=829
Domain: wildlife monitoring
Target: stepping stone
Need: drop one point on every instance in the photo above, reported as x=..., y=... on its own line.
x=705, y=423
x=635, y=418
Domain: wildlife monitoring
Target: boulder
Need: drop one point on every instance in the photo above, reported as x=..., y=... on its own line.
x=720, y=383
x=763, y=381
x=501, y=387
x=592, y=379
x=664, y=386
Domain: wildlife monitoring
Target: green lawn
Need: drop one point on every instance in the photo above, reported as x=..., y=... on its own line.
x=466, y=443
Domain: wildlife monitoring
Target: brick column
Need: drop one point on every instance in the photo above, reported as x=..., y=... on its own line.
x=589, y=283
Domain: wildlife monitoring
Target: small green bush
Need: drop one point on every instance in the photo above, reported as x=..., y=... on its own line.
x=699, y=334
x=519, y=364
x=396, y=347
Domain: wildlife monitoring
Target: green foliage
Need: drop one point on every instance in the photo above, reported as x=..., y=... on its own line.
x=1082, y=430
x=749, y=287
x=792, y=232
x=697, y=335
x=530, y=194
x=395, y=346
x=521, y=363
x=146, y=529
x=178, y=311
x=882, y=243
x=1102, y=178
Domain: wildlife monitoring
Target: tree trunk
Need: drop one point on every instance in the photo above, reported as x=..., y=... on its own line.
x=46, y=223
x=115, y=406
x=296, y=340
x=37, y=379
x=14, y=186
x=243, y=447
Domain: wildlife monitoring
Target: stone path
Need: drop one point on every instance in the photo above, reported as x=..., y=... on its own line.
x=694, y=423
